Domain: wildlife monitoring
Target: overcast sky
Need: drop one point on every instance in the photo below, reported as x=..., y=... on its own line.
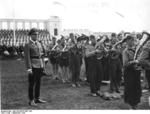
x=95, y=15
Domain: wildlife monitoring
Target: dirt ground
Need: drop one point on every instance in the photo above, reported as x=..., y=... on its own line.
x=14, y=86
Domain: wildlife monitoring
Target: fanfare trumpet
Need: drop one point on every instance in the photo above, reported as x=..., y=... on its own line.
x=100, y=46
x=113, y=53
x=144, y=39
x=54, y=47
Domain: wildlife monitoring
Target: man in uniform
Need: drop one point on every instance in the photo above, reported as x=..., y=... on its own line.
x=74, y=61
x=115, y=67
x=144, y=58
x=34, y=66
x=95, y=71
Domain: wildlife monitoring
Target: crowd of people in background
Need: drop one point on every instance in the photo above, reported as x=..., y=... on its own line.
x=10, y=47
x=90, y=58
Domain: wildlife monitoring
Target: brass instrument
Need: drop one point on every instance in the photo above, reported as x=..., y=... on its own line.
x=141, y=43
x=53, y=51
x=113, y=53
x=139, y=47
x=54, y=47
x=101, y=42
x=101, y=52
x=65, y=47
x=101, y=48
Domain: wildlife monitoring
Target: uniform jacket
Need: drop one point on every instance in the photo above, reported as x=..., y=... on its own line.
x=31, y=51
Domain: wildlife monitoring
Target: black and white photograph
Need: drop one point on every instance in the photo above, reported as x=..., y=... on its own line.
x=74, y=55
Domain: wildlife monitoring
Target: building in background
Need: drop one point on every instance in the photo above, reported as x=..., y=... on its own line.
x=53, y=24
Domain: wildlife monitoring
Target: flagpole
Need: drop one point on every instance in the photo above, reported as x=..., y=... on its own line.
x=14, y=22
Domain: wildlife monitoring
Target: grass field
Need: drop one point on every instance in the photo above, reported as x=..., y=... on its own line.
x=14, y=88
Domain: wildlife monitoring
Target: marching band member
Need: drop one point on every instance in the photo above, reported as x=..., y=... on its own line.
x=52, y=56
x=132, y=89
x=74, y=61
x=107, y=47
x=81, y=41
x=115, y=68
x=64, y=62
x=59, y=49
x=144, y=58
x=93, y=55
